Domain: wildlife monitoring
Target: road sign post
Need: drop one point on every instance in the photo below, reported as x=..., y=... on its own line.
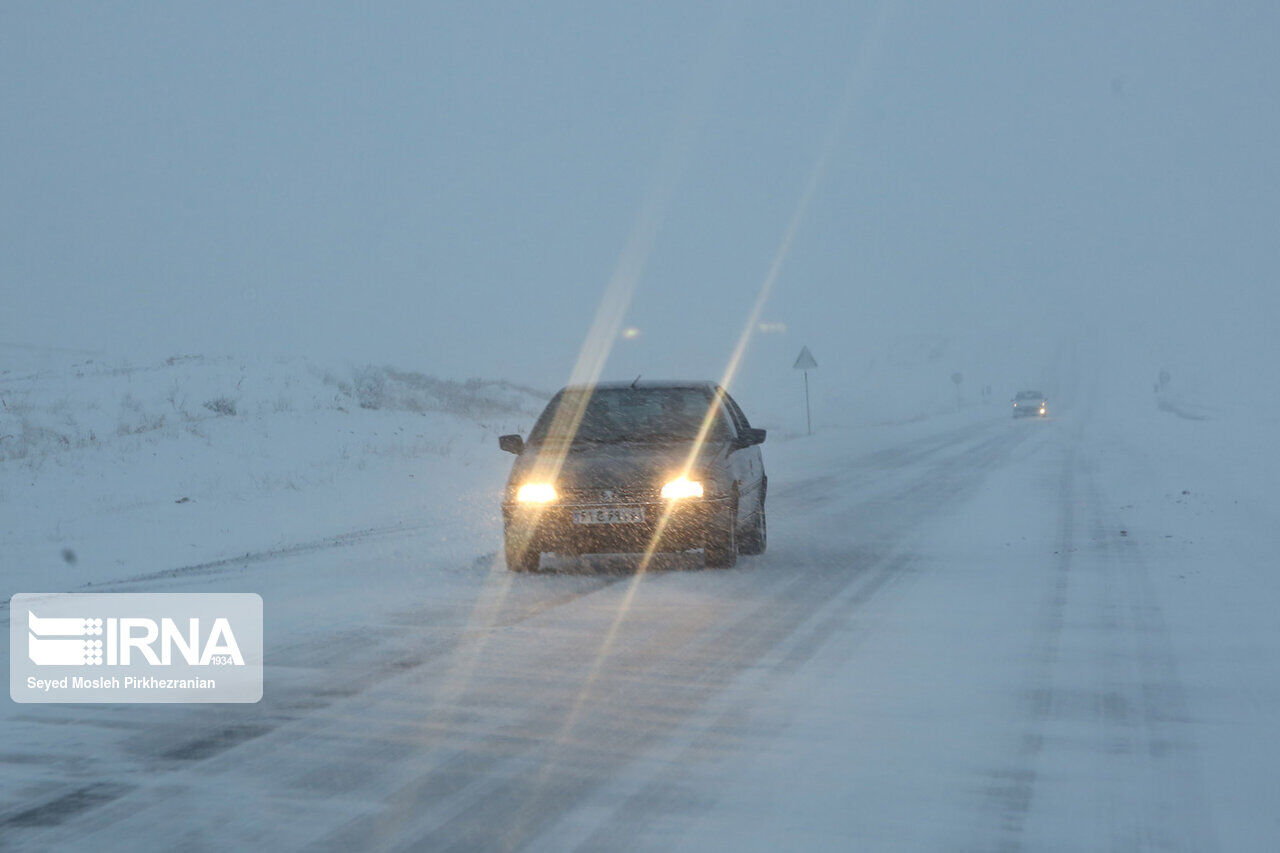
x=806, y=362
x=808, y=419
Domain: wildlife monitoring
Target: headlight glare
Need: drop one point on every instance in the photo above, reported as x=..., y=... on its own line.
x=536, y=493
x=682, y=487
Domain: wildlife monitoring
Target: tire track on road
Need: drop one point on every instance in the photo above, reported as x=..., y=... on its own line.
x=1110, y=702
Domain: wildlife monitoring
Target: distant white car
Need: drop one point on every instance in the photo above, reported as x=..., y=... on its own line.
x=1030, y=404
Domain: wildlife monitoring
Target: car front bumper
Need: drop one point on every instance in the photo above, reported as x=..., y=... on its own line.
x=552, y=528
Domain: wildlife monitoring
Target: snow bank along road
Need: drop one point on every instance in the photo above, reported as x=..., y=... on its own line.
x=954, y=642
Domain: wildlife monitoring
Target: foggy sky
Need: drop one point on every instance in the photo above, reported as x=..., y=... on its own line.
x=449, y=187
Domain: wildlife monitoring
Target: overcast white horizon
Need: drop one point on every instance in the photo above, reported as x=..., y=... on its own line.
x=450, y=193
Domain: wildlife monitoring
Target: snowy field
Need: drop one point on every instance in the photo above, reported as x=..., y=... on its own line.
x=112, y=472
x=968, y=632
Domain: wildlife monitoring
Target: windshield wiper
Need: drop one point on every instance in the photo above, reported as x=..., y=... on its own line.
x=620, y=439
x=663, y=436
x=577, y=439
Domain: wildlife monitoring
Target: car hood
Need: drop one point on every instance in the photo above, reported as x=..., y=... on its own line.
x=611, y=465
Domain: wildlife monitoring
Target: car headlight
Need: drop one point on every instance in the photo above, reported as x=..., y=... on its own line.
x=536, y=493
x=682, y=487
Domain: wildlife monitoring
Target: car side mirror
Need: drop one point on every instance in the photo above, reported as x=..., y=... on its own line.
x=511, y=444
x=751, y=436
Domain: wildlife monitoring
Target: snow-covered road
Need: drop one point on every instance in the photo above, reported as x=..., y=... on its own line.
x=957, y=640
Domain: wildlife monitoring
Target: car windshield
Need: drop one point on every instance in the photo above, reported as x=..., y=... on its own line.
x=1029, y=395
x=626, y=414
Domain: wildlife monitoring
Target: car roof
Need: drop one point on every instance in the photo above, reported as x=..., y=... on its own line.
x=648, y=384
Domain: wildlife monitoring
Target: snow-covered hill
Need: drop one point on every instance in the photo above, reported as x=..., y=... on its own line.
x=121, y=470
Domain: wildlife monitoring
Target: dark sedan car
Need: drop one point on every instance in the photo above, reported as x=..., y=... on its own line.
x=636, y=467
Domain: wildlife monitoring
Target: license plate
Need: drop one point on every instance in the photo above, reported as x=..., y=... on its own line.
x=609, y=515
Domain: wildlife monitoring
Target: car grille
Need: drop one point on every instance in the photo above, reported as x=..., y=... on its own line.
x=609, y=495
